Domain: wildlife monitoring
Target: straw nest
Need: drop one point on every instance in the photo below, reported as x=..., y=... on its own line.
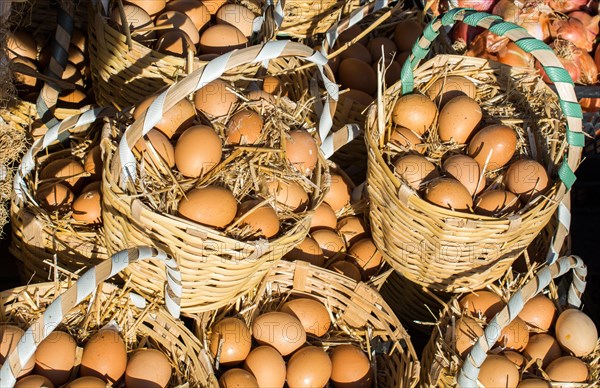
x=12, y=146
x=142, y=325
x=358, y=314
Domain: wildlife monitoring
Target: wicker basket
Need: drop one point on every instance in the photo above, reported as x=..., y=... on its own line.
x=46, y=243
x=216, y=268
x=451, y=251
x=442, y=366
x=143, y=323
x=360, y=317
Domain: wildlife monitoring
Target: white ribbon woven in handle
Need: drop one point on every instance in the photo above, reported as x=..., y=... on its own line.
x=84, y=287
x=467, y=376
x=214, y=70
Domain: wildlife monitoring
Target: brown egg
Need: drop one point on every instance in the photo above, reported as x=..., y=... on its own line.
x=262, y=221
x=496, y=203
x=289, y=195
x=515, y=336
x=274, y=86
x=76, y=56
x=92, y=162
x=496, y=140
x=73, y=75
x=458, y=119
x=238, y=378
x=352, y=229
x=173, y=42
x=55, y=197
x=468, y=332
x=79, y=40
x=104, y=356
x=498, y=371
x=447, y=88
x=235, y=338
x=244, y=127
x=238, y=16
x=375, y=47
x=351, y=33
x=55, y=357
x=211, y=205
x=324, y=217
x=406, y=34
x=482, y=303
x=576, y=332
x=10, y=337
x=193, y=161
x=392, y=71
x=347, y=269
x=309, y=367
x=466, y=170
x=161, y=144
x=308, y=250
x=516, y=358
x=357, y=96
x=301, y=150
x=416, y=170
x=282, y=331
x=213, y=5
x=534, y=383
x=357, y=51
x=568, y=370
x=267, y=366
x=178, y=118
x=21, y=43
x=194, y=9
x=179, y=21
x=311, y=313
x=214, y=99
x=23, y=79
x=329, y=241
x=402, y=57
x=147, y=368
x=415, y=112
x=87, y=208
x=72, y=98
x=367, y=255
x=526, y=178
x=34, y=381
x=87, y=382
x=350, y=367
x=137, y=19
x=153, y=7
x=222, y=38
x=356, y=74
x=543, y=347
x=338, y=195
x=93, y=186
x=450, y=194
x=407, y=140
x=539, y=312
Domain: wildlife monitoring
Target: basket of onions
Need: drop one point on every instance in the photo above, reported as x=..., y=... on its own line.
x=530, y=333
x=492, y=135
x=94, y=334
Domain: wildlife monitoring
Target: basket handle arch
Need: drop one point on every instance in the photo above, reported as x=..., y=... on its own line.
x=124, y=164
x=85, y=286
x=467, y=376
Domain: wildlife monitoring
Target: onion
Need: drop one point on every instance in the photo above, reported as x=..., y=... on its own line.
x=588, y=68
x=575, y=32
x=478, y=5
x=567, y=64
x=509, y=11
x=513, y=55
x=597, y=57
x=591, y=23
x=567, y=5
x=590, y=105
x=464, y=32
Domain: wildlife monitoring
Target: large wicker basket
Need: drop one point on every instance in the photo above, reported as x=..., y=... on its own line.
x=357, y=310
x=442, y=367
x=454, y=251
x=43, y=242
x=216, y=268
x=86, y=306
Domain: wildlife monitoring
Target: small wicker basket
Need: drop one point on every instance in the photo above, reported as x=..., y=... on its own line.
x=454, y=251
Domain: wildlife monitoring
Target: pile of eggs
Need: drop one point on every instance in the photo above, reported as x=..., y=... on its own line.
x=176, y=140
x=104, y=360
x=22, y=48
x=536, y=340
x=342, y=244
x=173, y=27
x=356, y=67
x=275, y=351
x=458, y=180
x=72, y=186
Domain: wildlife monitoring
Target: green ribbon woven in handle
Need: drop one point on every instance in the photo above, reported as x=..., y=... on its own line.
x=529, y=44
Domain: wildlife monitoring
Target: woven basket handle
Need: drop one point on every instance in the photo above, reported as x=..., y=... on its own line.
x=125, y=162
x=541, y=51
x=58, y=132
x=85, y=286
x=467, y=376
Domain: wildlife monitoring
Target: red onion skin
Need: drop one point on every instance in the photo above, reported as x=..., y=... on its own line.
x=588, y=68
x=567, y=5
x=573, y=70
x=464, y=32
x=590, y=105
x=591, y=23
x=575, y=32
x=478, y=5
x=597, y=57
